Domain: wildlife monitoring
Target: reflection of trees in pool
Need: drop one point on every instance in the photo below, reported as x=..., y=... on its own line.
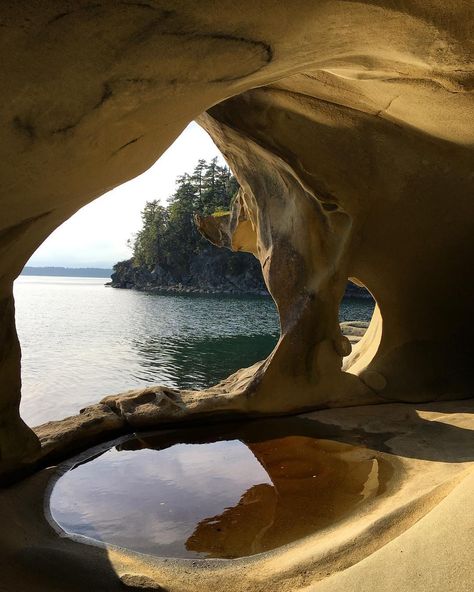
x=200, y=362
x=315, y=483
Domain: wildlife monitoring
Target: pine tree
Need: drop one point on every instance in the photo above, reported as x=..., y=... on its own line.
x=168, y=236
x=150, y=240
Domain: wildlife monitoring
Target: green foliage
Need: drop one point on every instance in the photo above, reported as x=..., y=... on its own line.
x=168, y=236
x=151, y=239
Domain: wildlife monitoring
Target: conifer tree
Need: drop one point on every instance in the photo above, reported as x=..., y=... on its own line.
x=168, y=236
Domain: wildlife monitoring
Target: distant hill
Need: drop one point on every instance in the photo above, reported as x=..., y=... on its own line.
x=68, y=271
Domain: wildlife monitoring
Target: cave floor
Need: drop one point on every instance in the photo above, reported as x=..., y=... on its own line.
x=417, y=535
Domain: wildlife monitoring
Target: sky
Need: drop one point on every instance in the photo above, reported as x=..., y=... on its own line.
x=96, y=236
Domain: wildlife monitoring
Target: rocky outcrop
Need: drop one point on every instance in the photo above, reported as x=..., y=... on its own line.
x=209, y=272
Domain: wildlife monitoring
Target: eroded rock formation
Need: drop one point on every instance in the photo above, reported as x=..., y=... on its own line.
x=331, y=192
x=396, y=542
x=349, y=128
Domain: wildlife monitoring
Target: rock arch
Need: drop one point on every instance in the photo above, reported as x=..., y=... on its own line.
x=348, y=125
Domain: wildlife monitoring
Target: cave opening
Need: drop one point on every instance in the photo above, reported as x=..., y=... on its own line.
x=81, y=340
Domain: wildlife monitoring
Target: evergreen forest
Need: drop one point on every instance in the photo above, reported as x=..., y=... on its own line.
x=168, y=253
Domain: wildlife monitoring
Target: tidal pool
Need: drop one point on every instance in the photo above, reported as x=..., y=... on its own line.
x=200, y=493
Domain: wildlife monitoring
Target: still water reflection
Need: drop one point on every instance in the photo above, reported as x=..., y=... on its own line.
x=231, y=495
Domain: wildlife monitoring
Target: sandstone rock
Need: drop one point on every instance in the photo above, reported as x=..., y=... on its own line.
x=422, y=508
x=346, y=128
x=349, y=127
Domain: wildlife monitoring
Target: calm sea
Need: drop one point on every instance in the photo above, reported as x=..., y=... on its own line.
x=82, y=341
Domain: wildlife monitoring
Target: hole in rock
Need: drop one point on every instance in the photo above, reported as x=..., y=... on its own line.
x=81, y=340
x=356, y=306
x=243, y=490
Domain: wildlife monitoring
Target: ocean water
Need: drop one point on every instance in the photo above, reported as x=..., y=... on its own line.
x=81, y=340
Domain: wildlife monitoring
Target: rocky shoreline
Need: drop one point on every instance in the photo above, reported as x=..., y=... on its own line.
x=213, y=272
x=181, y=289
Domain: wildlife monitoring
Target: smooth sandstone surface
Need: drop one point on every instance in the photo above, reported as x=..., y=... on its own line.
x=416, y=534
x=349, y=127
